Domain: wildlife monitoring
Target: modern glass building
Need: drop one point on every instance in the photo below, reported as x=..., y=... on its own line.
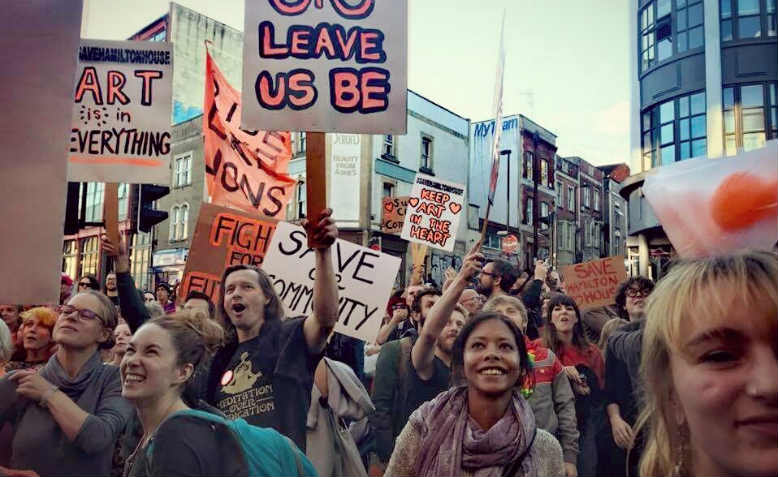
x=704, y=79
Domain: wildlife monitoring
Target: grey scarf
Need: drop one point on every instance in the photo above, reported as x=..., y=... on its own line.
x=84, y=390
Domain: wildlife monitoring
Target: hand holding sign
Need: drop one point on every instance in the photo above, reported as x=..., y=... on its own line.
x=473, y=262
x=119, y=252
x=324, y=231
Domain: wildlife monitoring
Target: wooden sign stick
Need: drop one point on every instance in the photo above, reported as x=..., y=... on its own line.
x=486, y=222
x=315, y=178
x=111, y=212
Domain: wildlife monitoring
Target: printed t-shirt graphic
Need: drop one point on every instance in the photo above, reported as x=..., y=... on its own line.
x=245, y=391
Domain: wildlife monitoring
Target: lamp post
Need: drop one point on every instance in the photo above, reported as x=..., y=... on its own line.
x=504, y=233
x=535, y=195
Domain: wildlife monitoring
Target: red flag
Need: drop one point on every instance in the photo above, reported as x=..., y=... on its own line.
x=245, y=170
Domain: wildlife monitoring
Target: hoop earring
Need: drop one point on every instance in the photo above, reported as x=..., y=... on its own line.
x=681, y=467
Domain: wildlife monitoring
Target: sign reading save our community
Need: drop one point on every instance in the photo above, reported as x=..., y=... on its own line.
x=121, y=112
x=327, y=66
x=365, y=278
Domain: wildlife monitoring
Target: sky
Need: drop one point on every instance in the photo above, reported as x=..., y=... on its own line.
x=566, y=68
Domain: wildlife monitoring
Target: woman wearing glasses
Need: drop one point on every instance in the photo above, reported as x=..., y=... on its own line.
x=66, y=419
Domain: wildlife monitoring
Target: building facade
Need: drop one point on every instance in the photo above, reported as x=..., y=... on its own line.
x=704, y=76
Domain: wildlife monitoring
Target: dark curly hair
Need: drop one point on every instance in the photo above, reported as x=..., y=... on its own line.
x=507, y=273
x=421, y=294
x=458, y=350
x=642, y=283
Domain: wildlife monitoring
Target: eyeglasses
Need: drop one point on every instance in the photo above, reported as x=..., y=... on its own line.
x=634, y=293
x=489, y=273
x=83, y=284
x=83, y=313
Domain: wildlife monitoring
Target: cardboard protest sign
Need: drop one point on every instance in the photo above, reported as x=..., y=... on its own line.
x=336, y=66
x=345, y=155
x=38, y=47
x=121, y=115
x=393, y=214
x=245, y=170
x=433, y=213
x=365, y=279
x=594, y=283
x=223, y=237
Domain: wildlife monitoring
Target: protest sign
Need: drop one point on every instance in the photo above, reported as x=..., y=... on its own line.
x=337, y=66
x=223, y=237
x=345, y=155
x=365, y=278
x=433, y=213
x=121, y=116
x=594, y=283
x=246, y=170
x=510, y=244
x=38, y=47
x=393, y=214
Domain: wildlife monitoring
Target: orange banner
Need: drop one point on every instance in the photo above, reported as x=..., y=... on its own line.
x=245, y=170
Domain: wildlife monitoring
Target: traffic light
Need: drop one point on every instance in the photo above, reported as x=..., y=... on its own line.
x=148, y=216
x=72, y=214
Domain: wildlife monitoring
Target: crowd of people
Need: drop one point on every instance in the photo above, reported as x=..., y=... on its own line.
x=497, y=373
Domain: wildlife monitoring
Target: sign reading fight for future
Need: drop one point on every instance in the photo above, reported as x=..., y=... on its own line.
x=245, y=170
x=434, y=209
x=328, y=66
x=365, y=278
x=594, y=283
x=121, y=115
x=393, y=214
x=223, y=237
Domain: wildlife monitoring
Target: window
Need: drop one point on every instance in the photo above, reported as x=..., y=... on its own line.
x=745, y=19
x=89, y=256
x=570, y=198
x=543, y=214
x=617, y=243
x=688, y=24
x=596, y=199
x=586, y=201
x=571, y=236
x=528, y=205
x=140, y=258
x=94, y=201
x=750, y=116
x=183, y=173
x=123, y=195
x=562, y=240
x=647, y=37
x=544, y=173
x=674, y=130
x=300, y=143
x=173, y=218
x=426, y=152
x=388, y=189
x=529, y=159
x=388, y=145
x=559, y=190
x=69, y=257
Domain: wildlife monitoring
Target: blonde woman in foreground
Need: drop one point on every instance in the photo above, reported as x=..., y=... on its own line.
x=712, y=323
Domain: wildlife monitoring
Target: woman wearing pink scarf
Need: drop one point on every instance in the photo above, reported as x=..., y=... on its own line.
x=483, y=428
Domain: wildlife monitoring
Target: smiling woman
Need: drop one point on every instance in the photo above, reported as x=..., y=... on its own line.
x=484, y=427
x=710, y=368
x=79, y=413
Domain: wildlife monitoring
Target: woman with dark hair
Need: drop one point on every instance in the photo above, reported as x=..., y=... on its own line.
x=88, y=282
x=583, y=363
x=67, y=417
x=163, y=355
x=484, y=426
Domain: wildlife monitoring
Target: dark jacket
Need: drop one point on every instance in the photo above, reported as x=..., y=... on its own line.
x=131, y=303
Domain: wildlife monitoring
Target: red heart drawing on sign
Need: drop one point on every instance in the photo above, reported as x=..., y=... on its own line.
x=388, y=206
x=413, y=201
x=455, y=208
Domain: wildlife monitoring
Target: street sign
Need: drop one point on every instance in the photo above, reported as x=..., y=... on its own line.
x=510, y=244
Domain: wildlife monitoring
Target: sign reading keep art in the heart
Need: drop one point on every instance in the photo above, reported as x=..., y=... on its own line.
x=434, y=209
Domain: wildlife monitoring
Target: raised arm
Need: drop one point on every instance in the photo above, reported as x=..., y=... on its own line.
x=423, y=352
x=132, y=307
x=320, y=323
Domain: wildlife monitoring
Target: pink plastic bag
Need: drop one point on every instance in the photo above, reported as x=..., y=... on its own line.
x=713, y=206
